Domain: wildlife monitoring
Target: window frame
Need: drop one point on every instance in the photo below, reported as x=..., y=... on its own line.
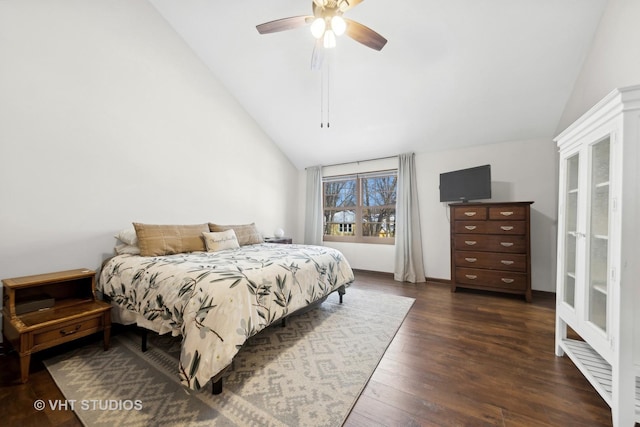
x=358, y=208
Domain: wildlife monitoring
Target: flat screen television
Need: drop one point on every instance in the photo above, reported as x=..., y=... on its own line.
x=466, y=184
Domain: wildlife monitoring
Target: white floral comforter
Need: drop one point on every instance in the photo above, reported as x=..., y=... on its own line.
x=216, y=300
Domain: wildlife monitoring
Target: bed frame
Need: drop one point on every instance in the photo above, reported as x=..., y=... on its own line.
x=216, y=381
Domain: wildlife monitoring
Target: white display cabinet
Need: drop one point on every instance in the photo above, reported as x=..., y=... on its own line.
x=598, y=280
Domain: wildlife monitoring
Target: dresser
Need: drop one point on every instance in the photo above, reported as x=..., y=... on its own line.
x=490, y=247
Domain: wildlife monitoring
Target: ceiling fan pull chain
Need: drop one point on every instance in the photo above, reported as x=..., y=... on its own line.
x=328, y=93
x=321, y=98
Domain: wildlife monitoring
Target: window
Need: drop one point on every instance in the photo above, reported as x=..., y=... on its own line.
x=360, y=208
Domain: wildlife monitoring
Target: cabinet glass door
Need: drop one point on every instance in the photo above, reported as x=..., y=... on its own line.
x=598, y=286
x=570, y=227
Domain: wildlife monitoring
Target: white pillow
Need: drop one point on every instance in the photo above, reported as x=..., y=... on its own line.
x=128, y=236
x=123, y=248
x=217, y=241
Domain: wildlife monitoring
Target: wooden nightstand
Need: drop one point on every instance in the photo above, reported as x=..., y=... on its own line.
x=68, y=309
x=282, y=240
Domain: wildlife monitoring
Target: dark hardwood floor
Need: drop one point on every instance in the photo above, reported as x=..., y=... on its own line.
x=460, y=359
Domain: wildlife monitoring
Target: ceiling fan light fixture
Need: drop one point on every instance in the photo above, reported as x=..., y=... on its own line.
x=317, y=27
x=329, y=39
x=338, y=25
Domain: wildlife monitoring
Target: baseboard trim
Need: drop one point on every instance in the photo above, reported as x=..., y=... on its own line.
x=378, y=273
x=386, y=274
x=438, y=280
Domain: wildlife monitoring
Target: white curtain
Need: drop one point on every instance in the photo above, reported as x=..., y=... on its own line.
x=313, y=214
x=409, y=265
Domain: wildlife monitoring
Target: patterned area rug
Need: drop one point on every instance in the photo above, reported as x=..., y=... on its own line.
x=309, y=373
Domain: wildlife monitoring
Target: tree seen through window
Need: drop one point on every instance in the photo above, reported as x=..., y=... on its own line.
x=360, y=208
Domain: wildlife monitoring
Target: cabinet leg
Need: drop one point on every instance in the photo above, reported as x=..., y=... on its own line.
x=106, y=338
x=528, y=297
x=25, y=360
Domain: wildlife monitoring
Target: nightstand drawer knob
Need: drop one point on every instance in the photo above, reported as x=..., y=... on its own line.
x=470, y=213
x=506, y=227
x=506, y=262
x=506, y=213
x=506, y=244
x=471, y=259
x=65, y=333
x=470, y=242
x=505, y=280
x=471, y=276
x=470, y=227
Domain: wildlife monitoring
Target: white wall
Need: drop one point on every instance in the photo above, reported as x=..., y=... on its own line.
x=107, y=117
x=613, y=60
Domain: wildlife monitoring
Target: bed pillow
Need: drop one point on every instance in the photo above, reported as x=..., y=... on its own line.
x=123, y=248
x=217, y=241
x=155, y=240
x=128, y=236
x=247, y=234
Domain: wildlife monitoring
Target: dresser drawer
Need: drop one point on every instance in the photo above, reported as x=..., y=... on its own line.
x=479, y=227
x=491, y=260
x=492, y=278
x=471, y=212
x=490, y=227
x=508, y=212
x=66, y=331
x=506, y=227
x=490, y=243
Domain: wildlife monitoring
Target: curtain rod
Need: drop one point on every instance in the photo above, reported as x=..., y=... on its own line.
x=358, y=161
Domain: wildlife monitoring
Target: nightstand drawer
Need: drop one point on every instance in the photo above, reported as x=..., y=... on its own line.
x=67, y=331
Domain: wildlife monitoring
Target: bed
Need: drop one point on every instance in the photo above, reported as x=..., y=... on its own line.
x=217, y=300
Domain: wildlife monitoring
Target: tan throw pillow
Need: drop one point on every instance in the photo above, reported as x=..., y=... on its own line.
x=155, y=240
x=247, y=234
x=217, y=241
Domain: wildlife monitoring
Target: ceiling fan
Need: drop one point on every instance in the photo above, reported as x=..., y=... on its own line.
x=327, y=23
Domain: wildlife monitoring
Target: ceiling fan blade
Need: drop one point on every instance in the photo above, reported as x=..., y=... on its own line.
x=317, y=57
x=364, y=35
x=284, y=24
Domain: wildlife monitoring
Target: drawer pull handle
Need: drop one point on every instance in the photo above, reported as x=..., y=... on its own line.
x=506, y=213
x=470, y=227
x=506, y=262
x=65, y=333
x=471, y=276
x=505, y=280
x=506, y=244
x=471, y=259
x=470, y=242
x=506, y=227
x=470, y=213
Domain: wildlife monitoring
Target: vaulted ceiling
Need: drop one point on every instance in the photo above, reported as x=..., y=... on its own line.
x=454, y=73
